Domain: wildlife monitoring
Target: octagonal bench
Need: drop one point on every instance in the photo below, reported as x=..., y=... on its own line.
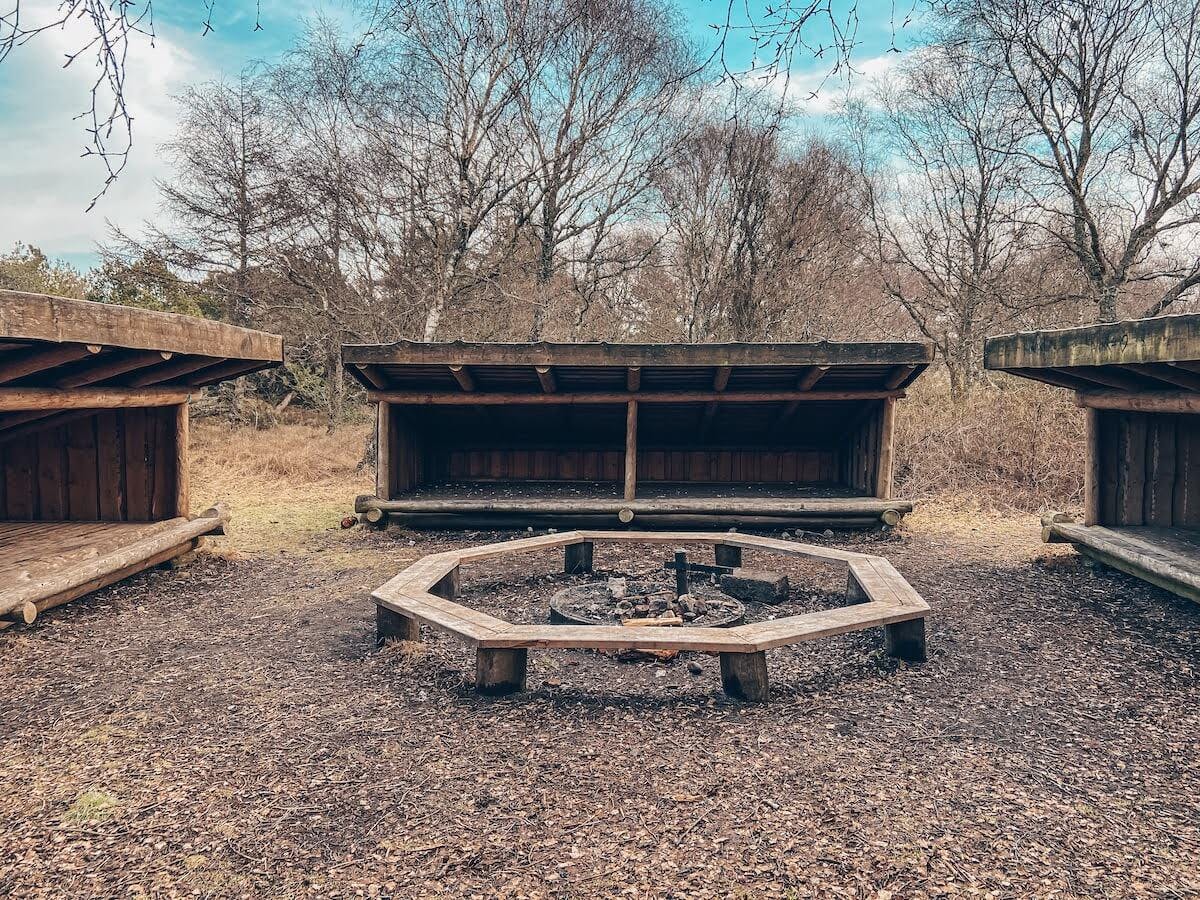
x=425, y=593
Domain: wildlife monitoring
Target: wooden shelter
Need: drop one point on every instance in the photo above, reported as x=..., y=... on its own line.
x=664, y=433
x=1139, y=383
x=94, y=440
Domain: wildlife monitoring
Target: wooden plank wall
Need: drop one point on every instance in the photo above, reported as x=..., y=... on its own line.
x=558, y=464
x=1149, y=468
x=860, y=455
x=115, y=466
x=407, y=460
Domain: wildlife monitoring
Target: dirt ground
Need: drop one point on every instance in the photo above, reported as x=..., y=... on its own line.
x=229, y=730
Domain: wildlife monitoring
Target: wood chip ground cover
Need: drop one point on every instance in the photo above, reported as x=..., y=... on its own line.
x=227, y=730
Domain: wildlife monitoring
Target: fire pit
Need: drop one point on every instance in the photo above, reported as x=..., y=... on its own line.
x=624, y=601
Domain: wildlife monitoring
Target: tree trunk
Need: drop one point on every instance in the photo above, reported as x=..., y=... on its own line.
x=1108, y=303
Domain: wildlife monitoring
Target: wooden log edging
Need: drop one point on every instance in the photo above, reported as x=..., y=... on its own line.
x=857, y=509
x=180, y=537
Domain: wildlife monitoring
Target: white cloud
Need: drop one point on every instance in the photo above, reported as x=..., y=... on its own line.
x=45, y=183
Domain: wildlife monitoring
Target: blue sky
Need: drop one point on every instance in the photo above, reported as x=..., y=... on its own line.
x=45, y=186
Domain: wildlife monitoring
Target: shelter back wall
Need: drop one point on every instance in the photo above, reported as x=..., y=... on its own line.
x=117, y=466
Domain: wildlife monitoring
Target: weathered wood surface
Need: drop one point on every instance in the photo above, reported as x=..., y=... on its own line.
x=1142, y=341
x=639, y=355
x=1166, y=557
x=563, y=398
x=14, y=399
x=867, y=507
x=744, y=676
x=1144, y=401
x=889, y=600
x=39, y=317
x=43, y=562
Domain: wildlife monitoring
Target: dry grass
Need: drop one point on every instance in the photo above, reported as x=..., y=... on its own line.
x=1017, y=446
x=1013, y=448
x=283, y=485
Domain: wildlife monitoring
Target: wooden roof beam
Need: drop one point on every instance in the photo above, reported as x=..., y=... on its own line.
x=39, y=360
x=22, y=424
x=1143, y=401
x=810, y=378
x=1170, y=374
x=113, y=365
x=22, y=399
x=373, y=376
x=546, y=378
x=1051, y=376
x=1109, y=378
x=898, y=376
x=463, y=376
x=225, y=369
x=504, y=398
x=633, y=379
x=721, y=377
x=176, y=368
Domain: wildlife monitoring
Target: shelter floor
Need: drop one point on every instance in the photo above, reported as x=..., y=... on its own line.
x=34, y=550
x=611, y=490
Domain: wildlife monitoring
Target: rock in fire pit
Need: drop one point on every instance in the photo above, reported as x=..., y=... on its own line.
x=622, y=600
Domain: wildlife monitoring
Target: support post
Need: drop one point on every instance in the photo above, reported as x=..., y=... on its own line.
x=744, y=676
x=577, y=558
x=887, y=427
x=854, y=591
x=1091, y=471
x=681, y=572
x=905, y=640
x=183, y=500
x=631, y=421
x=447, y=587
x=727, y=555
x=383, y=451
x=500, y=671
x=390, y=625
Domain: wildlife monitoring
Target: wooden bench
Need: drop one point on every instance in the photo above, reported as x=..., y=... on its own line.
x=425, y=593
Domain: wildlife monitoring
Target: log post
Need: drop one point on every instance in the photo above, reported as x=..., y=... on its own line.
x=183, y=500
x=383, y=451
x=577, y=558
x=1091, y=472
x=727, y=555
x=631, y=422
x=905, y=640
x=447, y=587
x=500, y=671
x=390, y=625
x=887, y=427
x=744, y=676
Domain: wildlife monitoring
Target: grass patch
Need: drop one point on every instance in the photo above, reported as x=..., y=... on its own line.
x=91, y=806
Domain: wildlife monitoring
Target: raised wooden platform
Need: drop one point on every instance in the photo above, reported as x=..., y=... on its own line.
x=665, y=503
x=46, y=564
x=1166, y=557
x=425, y=593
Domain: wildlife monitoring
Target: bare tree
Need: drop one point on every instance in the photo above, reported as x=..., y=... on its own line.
x=1111, y=92
x=601, y=113
x=943, y=191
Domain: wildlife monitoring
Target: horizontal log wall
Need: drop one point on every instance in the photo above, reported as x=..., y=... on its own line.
x=732, y=466
x=1148, y=468
x=117, y=465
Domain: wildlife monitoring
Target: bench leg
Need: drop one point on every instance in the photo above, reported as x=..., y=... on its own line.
x=905, y=640
x=500, y=671
x=744, y=676
x=390, y=625
x=854, y=591
x=727, y=555
x=447, y=587
x=577, y=558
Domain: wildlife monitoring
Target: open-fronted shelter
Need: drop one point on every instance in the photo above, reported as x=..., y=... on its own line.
x=1139, y=382
x=664, y=433
x=94, y=440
